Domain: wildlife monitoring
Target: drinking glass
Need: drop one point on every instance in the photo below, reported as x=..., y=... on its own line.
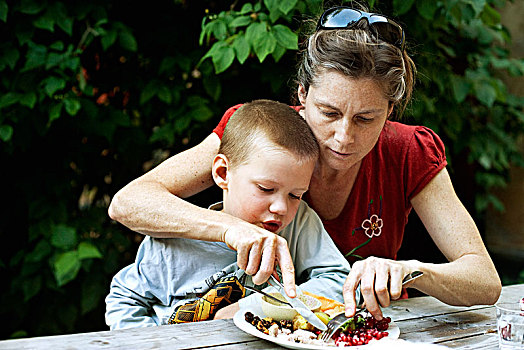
x=510, y=325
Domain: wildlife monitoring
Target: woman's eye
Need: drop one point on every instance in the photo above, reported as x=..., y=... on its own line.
x=365, y=119
x=264, y=189
x=294, y=196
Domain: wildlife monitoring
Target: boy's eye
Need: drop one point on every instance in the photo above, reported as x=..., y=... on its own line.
x=329, y=114
x=294, y=196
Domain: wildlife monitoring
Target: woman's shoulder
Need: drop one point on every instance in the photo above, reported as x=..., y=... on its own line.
x=404, y=136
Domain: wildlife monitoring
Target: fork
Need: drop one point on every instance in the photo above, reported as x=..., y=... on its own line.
x=336, y=322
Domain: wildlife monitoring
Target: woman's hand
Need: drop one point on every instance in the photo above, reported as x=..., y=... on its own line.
x=380, y=282
x=259, y=251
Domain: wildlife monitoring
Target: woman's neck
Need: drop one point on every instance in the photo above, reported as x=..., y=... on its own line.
x=327, y=175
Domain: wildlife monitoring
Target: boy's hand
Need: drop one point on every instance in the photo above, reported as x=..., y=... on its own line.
x=227, y=311
x=259, y=251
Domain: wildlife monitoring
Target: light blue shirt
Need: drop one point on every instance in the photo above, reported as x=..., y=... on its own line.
x=172, y=271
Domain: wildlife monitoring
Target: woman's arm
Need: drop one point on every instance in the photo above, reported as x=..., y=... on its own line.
x=153, y=205
x=470, y=276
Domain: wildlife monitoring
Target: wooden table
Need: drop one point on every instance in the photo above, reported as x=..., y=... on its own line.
x=423, y=319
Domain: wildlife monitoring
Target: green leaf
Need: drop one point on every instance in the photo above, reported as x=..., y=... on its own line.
x=45, y=22
x=9, y=99
x=127, y=41
x=477, y=5
x=28, y=99
x=148, y=92
x=254, y=32
x=53, y=59
x=240, y=21
x=212, y=86
x=87, y=250
x=201, y=114
x=6, y=132
x=402, y=6
x=285, y=37
x=164, y=94
x=461, y=88
x=490, y=16
x=223, y=58
x=31, y=7
x=63, y=236
x=72, y=105
x=246, y=8
x=11, y=56
x=108, y=39
x=219, y=29
x=427, y=8
x=66, y=267
x=42, y=251
x=278, y=52
x=35, y=56
x=54, y=112
x=485, y=93
x=31, y=286
x=241, y=47
x=66, y=24
x=3, y=11
x=93, y=292
x=287, y=5
x=264, y=46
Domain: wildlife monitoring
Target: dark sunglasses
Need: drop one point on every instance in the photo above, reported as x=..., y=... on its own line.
x=342, y=17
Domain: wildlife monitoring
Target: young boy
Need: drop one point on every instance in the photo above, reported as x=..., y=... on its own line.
x=264, y=166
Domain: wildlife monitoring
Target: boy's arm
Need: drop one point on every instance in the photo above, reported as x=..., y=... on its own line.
x=134, y=290
x=126, y=308
x=318, y=262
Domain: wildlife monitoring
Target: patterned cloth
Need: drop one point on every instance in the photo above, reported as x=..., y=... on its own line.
x=225, y=290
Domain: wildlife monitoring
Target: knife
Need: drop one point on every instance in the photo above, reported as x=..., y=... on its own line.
x=408, y=278
x=298, y=305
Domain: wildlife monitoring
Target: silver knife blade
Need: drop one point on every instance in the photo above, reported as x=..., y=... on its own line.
x=298, y=305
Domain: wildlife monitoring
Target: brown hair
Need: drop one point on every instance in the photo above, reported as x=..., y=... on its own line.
x=277, y=122
x=358, y=53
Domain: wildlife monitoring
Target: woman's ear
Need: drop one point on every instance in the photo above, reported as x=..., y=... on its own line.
x=220, y=171
x=302, y=93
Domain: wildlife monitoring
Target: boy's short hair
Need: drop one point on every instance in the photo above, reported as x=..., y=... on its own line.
x=277, y=122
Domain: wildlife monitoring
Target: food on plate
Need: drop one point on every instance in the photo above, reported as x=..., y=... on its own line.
x=329, y=306
x=358, y=330
x=278, y=311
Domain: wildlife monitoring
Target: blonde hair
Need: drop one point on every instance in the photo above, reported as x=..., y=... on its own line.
x=277, y=122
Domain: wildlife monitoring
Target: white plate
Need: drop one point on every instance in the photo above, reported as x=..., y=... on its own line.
x=240, y=322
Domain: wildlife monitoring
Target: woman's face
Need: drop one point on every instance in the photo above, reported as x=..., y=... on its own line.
x=346, y=116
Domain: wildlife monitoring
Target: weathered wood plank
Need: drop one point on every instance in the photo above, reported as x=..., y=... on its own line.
x=422, y=319
x=191, y=335
x=482, y=342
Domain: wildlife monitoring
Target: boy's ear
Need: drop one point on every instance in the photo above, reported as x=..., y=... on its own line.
x=220, y=171
x=302, y=93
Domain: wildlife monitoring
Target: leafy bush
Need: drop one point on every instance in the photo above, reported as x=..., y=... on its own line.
x=92, y=95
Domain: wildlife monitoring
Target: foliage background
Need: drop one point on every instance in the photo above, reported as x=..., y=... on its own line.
x=93, y=94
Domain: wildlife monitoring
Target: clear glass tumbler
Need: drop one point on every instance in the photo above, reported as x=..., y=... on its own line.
x=510, y=325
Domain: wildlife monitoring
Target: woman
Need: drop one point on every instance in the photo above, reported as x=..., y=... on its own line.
x=371, y=172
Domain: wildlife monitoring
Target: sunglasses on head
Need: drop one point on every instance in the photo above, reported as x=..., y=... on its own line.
x=342, y=17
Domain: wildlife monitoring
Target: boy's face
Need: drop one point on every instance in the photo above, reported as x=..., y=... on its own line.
x=266, y=190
